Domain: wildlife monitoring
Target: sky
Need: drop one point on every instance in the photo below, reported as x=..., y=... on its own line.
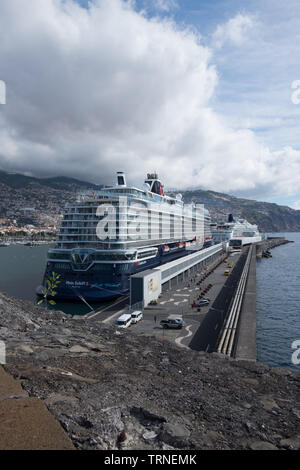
x=206, y=93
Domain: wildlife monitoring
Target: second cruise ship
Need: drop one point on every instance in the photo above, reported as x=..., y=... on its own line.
x=236, y=232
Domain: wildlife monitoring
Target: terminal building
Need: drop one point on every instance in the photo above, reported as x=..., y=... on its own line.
x=147, y=286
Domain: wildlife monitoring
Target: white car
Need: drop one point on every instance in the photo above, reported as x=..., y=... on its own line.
x=124, y=321
x=136, y=316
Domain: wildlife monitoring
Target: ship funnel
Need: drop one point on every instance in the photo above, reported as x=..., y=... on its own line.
x=121, y=180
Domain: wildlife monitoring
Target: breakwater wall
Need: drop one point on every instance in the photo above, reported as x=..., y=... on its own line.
x=263, y=247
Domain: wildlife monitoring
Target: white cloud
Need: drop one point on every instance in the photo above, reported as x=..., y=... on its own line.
x=165, y=5
x=295, y=205
x=234, y=32
x=90, y=92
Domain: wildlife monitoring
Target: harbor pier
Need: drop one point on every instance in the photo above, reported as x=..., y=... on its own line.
x=225, y=325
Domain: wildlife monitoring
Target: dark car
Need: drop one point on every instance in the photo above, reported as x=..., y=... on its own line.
x=175, y=323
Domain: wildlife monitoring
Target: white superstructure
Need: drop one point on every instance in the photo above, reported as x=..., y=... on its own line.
x=129, y=218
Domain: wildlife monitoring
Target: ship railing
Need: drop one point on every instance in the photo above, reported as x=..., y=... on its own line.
x=88, y=195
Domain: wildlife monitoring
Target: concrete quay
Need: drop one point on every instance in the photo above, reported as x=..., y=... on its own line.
x=246, y=336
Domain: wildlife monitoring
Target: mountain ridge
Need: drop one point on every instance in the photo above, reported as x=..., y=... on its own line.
x=269, y=217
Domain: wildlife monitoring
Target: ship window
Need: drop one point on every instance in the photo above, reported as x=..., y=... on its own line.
x=114, y=257
x=146, y=254
x=61, y=266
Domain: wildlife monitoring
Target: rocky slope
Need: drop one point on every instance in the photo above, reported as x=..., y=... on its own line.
x=110, y=389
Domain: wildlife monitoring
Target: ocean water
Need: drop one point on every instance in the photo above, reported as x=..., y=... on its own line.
x=21, y=271
x=278, y=303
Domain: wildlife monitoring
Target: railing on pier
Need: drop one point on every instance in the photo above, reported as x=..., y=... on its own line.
x=228, y=336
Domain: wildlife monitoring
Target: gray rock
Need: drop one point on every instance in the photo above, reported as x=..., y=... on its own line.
x=268, y=403
x=78, y=349
x=56, y=398
x=25, y=348
x=149, y=435
x=262, y=445
x=174, y=434
x=296, y=412
x=291, y=443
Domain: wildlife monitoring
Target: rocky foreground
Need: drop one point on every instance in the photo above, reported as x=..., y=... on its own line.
x=113, y=390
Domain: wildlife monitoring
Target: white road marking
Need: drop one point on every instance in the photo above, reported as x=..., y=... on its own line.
x=180, y=338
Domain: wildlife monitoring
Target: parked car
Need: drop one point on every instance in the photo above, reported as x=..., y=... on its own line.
x=202, y=302
x=124, y=321
x=136, y=316
x=174, y=323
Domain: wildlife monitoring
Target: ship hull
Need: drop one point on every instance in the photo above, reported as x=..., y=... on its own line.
x=93, y=286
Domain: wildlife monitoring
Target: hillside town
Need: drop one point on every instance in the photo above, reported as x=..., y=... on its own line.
x=31, y=212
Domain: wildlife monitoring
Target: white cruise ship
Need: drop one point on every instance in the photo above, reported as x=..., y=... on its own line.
x=237, y=232
x=108, y=235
